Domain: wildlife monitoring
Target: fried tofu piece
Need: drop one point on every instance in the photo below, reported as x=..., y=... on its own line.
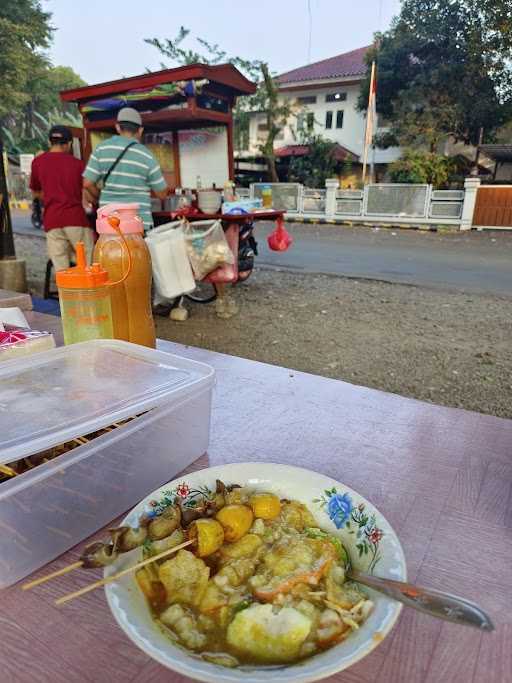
x=185, y=578
x=184, y=625
x=245, y=547
x=297, y=516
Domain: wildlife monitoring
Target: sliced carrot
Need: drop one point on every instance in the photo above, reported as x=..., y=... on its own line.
x=334, y=637
x=312, y=578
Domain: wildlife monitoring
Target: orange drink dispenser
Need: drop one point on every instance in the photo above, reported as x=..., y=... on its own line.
x=84, y=298
x=122, y=252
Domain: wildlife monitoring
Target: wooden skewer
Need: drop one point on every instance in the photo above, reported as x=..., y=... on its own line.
x=53, y=575
x=8, y=471
x=114, y=577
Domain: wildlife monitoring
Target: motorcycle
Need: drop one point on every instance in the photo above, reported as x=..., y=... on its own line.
x=37, y=213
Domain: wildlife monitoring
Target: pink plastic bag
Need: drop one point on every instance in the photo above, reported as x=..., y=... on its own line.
x=280, y=239
x=207, y=247
x=228, y=272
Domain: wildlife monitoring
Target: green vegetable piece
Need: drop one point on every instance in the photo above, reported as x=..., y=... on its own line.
x=241, y=606
x=343, y=555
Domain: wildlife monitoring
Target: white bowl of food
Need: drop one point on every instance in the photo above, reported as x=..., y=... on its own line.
x=268, y=597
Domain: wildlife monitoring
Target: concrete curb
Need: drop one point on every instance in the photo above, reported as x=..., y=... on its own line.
x=19, y=204
x=356, y=224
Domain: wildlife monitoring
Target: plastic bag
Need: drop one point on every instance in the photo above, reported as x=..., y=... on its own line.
x=228, y=272
x=280, y=239
x=172, y=273
x=207, y=247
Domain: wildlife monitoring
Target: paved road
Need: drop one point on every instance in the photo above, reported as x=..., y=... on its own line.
x=473, y=262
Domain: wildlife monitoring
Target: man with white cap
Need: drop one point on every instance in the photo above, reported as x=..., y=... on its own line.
x=125, y=169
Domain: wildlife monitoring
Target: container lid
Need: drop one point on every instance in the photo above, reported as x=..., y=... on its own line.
x=82, y=276
x=125, y=218
x=72, y=391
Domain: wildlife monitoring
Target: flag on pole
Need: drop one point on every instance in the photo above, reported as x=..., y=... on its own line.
x=371, y=118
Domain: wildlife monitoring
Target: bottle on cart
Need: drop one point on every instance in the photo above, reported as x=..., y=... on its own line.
x=199, y=185
x=229, y=194
x=122, y=251
x=266, y=196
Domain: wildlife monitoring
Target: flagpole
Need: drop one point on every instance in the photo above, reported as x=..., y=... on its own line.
x=369, y=122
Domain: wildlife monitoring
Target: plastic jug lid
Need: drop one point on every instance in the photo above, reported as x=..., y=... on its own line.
x=125, y=216
x=82, y=276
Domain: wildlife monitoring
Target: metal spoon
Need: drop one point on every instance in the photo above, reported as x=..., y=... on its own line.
x=428, y=600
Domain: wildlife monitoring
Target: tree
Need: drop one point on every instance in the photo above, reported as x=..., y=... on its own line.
x=317, y=165
x=416, y=166
x=26, y=130
x=44, y=107
x=443, y=70
x=265, y=98
x=24, y=31
x=277, y=115
x=29, y=100
x=45, y=93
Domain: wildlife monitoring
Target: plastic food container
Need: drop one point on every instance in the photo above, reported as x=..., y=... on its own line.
x=74, y=391
x=15, y=344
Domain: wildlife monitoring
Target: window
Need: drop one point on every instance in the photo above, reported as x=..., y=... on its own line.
x=261, y=131
x=339, y=118
x=328, y=119
x=336, y=97
x=305, y=120
x=307, y=99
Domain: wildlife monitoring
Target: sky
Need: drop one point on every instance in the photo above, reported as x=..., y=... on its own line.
x=104, y=39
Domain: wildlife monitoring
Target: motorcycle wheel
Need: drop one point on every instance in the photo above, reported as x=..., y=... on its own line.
x=36, y=222
x=204, y=293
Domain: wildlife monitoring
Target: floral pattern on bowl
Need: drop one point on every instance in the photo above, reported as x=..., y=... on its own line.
x=356, y=520
x=187, y=495
x=339, y=506
x=337, y=509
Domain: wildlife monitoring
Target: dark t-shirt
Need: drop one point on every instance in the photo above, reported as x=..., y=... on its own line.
x=59, y=176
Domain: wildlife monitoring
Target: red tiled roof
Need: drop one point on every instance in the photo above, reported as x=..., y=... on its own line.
x=340, y=152
x=291, y=151
x=347, y=64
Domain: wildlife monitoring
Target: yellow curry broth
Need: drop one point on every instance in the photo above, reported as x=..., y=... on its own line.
x=276, y=594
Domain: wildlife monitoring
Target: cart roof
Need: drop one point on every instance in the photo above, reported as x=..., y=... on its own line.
x=222, y=74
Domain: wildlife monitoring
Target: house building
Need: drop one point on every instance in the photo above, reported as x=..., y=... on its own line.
x=324, y=99
x=500, y=157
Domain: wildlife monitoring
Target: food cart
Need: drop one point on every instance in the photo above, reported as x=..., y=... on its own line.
x=186, y=113
x=188, y=125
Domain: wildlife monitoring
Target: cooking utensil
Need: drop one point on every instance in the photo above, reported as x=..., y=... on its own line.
x=428, y=600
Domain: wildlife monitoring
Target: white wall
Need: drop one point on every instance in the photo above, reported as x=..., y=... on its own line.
x=350, y=136
x=203, y=152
